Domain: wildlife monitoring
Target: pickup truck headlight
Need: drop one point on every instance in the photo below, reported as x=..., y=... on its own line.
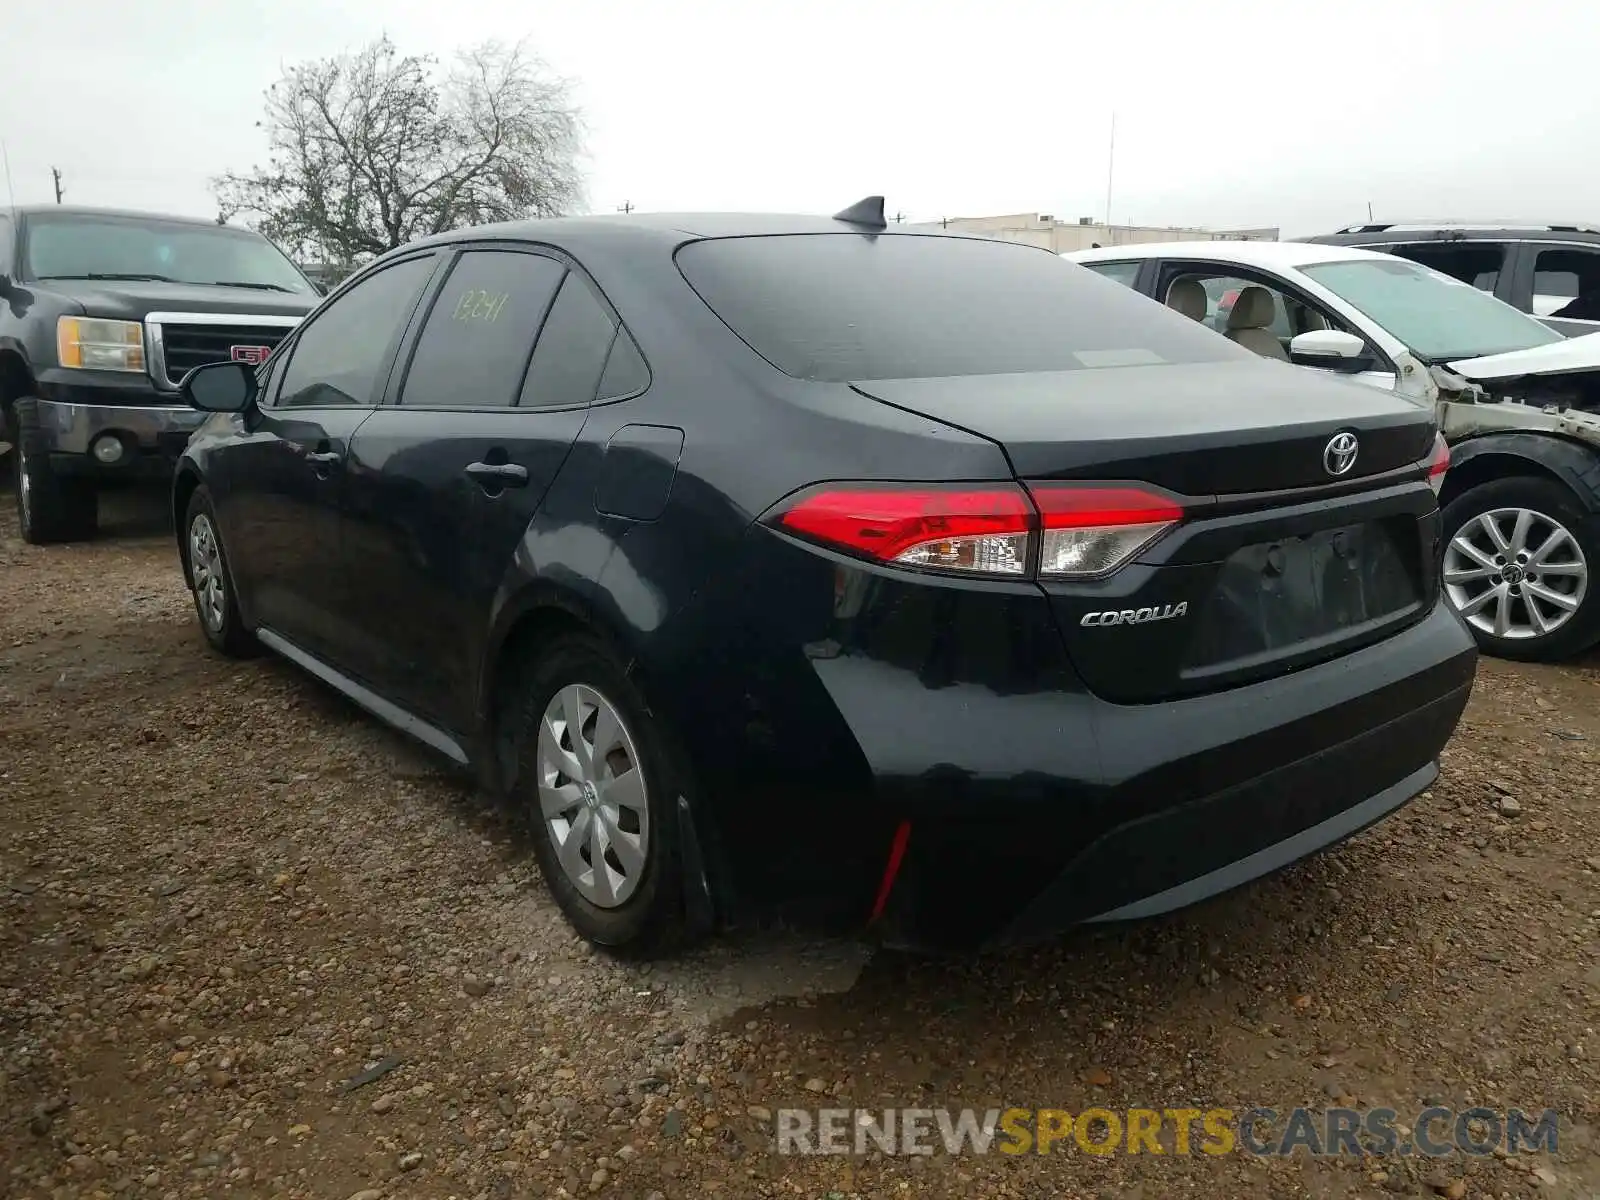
x=94, y=344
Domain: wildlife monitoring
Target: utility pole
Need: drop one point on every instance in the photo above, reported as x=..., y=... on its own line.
x=1111, y=162
x=56, y=174
x=625, y=207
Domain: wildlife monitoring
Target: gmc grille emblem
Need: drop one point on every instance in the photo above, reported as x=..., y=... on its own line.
x=254, y=355
x=1136, y=616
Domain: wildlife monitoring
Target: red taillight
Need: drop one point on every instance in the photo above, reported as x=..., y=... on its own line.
x=1438, y=463
x=1091, y=531
x=981, y=529
x=984, y=529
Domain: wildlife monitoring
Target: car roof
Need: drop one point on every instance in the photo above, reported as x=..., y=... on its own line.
x=667, y=229
x=81, y=210
x=1245, y=253
x=1510, y=226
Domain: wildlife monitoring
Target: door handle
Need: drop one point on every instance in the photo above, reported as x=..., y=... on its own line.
x=323, y=458
x=499, y=475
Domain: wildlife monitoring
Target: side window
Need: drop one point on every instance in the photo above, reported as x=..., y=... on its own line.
x=7, y=234
x=1125, y=273
x=337, y=356
x=479, y=333
x=572, y=349
x=1268, y=320
x=1477, y=263
x=1222, y=293
x=1566, y=283
x=268, y=375
x=626, y=372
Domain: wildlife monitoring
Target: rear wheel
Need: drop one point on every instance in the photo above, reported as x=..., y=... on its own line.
x=50, y=507
x=211, y=582
x=1519, y=566
x=595, y=780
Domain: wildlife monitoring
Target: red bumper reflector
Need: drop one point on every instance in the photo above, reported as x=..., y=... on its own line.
x=897, y=852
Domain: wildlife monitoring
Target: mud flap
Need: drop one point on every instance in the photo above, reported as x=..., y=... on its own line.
x=699, y=909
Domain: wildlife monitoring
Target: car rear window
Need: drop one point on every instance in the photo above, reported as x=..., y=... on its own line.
x=843, y=307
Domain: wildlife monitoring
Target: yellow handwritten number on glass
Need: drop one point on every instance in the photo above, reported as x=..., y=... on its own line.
x=478, y=305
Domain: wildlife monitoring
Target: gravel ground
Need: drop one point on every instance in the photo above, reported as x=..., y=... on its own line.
x=252, y=944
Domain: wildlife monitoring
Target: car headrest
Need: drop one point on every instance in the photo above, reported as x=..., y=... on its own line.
x=1252, y=310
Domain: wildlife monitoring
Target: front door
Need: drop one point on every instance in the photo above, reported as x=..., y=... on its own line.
x=287, y=477
x=1292, y=313
x=446, y=480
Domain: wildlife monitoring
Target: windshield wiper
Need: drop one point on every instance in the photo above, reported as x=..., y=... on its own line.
x=260, y=287
x=115, y=275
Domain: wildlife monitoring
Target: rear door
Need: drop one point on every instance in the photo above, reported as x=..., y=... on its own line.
x=1136, y=273
x=285, y=481
x=447, y=478
x=1560, y=284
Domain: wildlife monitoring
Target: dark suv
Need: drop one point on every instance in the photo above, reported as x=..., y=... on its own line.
x=101, y=314
x=813, y=566
x=1548, y=270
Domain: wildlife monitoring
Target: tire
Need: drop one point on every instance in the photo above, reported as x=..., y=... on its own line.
x=51, y=508
x=643, y=916
x=8, y=435
x=1553, y=509
x=211, y=581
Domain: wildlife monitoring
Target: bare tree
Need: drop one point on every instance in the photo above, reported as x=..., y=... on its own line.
x=371, y=150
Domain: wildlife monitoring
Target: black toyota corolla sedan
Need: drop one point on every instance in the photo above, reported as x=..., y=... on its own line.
x=874, y=578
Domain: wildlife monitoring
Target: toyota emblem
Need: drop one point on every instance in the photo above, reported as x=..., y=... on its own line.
x=1339, y=455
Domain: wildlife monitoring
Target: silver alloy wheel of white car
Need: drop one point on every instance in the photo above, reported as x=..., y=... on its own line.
x=205, y=565
x=1515, y=573
x=592, y=795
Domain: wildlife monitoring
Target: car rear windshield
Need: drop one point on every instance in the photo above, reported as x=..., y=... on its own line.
x=842, y=307
x=1435, y=315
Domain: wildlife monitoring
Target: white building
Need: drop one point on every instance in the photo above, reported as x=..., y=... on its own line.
x=1044, y=230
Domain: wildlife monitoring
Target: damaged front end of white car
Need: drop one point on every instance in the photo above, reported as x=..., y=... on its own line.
x=1550, y=389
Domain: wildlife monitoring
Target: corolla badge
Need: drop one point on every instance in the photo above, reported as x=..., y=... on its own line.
x=1136, y=616
x=1339, y=455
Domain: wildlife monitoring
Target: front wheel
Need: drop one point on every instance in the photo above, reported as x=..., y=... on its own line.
x=596, y=781
x=211, y=581
x=50, y=507
x=1519, y=562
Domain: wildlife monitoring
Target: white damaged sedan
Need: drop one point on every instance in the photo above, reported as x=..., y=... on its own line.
x=1518, y=403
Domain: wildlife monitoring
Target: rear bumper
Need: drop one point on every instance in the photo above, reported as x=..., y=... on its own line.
x=824, y=705
x=1197, y=797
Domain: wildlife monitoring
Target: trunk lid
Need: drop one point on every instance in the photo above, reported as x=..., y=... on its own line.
x=1277, y=564
x=1200, y=430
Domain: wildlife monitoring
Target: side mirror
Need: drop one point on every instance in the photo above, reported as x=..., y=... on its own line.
x=220, y=387
x=1331, y=349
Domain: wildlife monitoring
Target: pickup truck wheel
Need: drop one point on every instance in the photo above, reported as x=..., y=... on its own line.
x=50, y=507
x=595, y=781
x=1522, y=567
x=211, y=582
x=8, y=435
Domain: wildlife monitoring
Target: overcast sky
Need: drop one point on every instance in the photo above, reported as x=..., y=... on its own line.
x=1233, y=113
